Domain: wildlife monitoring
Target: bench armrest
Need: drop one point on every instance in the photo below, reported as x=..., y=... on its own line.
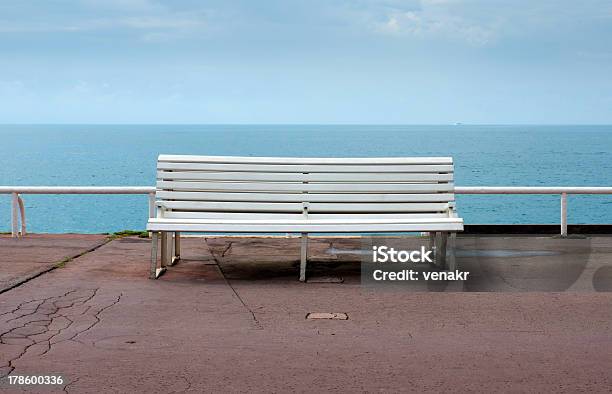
x=452, y=212
x=159, y=209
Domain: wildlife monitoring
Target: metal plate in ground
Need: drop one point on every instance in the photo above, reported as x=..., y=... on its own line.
x=327, y=316
x=325, y=279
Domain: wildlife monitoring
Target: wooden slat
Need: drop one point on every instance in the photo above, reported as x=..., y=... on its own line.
x=298, y=207
x=199, y=225
x=339, y=168
x=219, y=206
x=301, y=177
x=303, y=228
x=309, y=187
x=304, y=160
x=386, y=207
x=319, y=222
x=296, y=216
x=306, y=197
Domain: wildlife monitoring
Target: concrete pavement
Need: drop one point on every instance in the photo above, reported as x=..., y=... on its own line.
x=23, y=259
x=231, y=317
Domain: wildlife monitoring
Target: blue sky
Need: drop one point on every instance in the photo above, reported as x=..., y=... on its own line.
x=315, y=61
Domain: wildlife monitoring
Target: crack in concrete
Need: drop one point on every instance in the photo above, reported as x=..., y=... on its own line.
x=227, y=249
x=97, y=316
x=20, y=306
x=43, y=300
x=65, y=388
x=55, y=320
x=258, y=325
x=52, y=266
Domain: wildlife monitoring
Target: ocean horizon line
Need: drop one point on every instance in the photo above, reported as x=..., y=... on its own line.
x=306, y=124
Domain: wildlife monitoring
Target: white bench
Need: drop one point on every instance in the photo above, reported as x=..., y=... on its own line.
x=215, y=194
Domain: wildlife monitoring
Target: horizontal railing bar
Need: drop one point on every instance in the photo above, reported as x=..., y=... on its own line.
x=532, y=190
x=17, y=202
x=458, y=189
x=77, y=189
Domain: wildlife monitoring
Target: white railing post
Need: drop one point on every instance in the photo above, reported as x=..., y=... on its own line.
x=22, y=213
x=151, y=205
x=564, y=214
x=152, y=208
x=14, y=215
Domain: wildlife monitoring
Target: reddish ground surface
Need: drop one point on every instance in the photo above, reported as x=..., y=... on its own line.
x=231, y=317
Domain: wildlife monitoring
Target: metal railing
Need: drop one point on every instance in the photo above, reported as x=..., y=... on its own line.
x=559, y=190
x=17, y=206
x=18, y=209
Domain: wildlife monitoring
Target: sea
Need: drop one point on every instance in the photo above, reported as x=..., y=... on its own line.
x=125, y=155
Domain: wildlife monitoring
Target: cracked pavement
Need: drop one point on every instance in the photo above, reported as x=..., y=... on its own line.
x=230, y=316
x=35, y=326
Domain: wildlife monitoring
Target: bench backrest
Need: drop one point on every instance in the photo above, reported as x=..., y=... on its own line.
x=291, y=188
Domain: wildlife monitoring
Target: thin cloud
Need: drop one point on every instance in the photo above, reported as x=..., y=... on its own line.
x=423, y=25
x=434, y=19
x=92, y=15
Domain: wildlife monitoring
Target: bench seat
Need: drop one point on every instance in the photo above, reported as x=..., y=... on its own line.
x=306, y=225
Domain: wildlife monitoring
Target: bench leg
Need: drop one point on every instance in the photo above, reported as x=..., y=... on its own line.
x=440, y=255
x=164, y=249
x=303, y=257
x=432, y=244
x=172, y=247
x=167, y=248
x=177, y=248
x=443, y=254
x=155, y=272
x=452, y=244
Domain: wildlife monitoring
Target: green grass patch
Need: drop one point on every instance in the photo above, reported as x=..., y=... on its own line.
x=130, y=233
x=62, y=263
